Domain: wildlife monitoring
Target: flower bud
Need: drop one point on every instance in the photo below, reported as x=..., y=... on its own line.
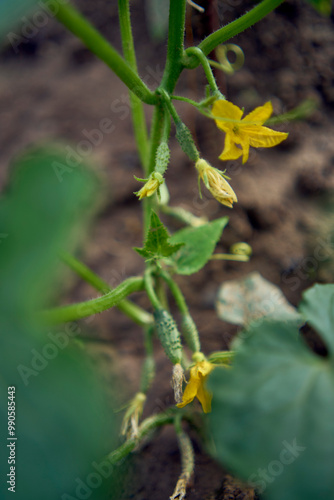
x=216, y=183
x=151, y=185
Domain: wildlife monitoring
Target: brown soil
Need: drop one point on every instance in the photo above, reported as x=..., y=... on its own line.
x=54, y=88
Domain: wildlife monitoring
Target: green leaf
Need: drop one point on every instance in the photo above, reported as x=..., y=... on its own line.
x=63, y=422
x=322, y=6
x=157, y=244
x=199, y=244
x=317, y=308
x=253, y=298
x=272, y=415
x=41, y=214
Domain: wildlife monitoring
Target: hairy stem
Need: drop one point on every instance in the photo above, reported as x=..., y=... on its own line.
x=176, y=292
x=189, y=329
x=232, y=29
x=131, y=310
x=157, y=129
x=187, y=460
x=175, y=47
x=96, y=43
x=91, y=307
x=195, y=51
x=149, y=287
x=145, y=427
x=137, y=110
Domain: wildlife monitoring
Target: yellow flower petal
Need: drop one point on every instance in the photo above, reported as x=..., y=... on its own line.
x=264, y=137
x=245, y=132
x=243, y=140
x=196, y=386
x=205, y=398
x=259, y=115
x=226, y=109
x=231, y=151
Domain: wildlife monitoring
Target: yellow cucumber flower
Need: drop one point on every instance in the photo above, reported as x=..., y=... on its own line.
x=216, y=183
x=196, y=386
x=245, y=132
x=151, y=185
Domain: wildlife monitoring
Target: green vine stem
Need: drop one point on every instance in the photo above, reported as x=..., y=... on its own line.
x=197, y=52
x=173, y=68
x=187, y=460
x=137, y=111
x=157, y=128
x=149, y=287
x=171, y=74
x=168, y=103
x=175, y=47
x=97, y=44
x=232, y=29
x=85, y=273
x=189, y=328
x=145, y=427
x=176, y=292
x=131, y=310
x=94, y=306
x=305, y=109
x=148, y=369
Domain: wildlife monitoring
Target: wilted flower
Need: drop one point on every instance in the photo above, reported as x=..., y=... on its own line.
x=151, y=185
x=216, y=183
x=177, y=379
x=132, y=415
x=245, y=132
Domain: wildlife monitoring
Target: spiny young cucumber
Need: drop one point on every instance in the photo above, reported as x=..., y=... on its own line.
x=168, y=334
x=186, y=141
x=162, y=158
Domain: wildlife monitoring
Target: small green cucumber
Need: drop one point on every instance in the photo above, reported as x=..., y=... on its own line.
x=168, y=334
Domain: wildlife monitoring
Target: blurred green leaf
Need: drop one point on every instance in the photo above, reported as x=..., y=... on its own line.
x=322, y=6
x=317, y=308
x=272, y=414
x=199, y=244
x=157, y=14
x=63, y=422
x=253, y=298
x=64, y=427
x=157, y=244
x=11, y=14
x=41, y=214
